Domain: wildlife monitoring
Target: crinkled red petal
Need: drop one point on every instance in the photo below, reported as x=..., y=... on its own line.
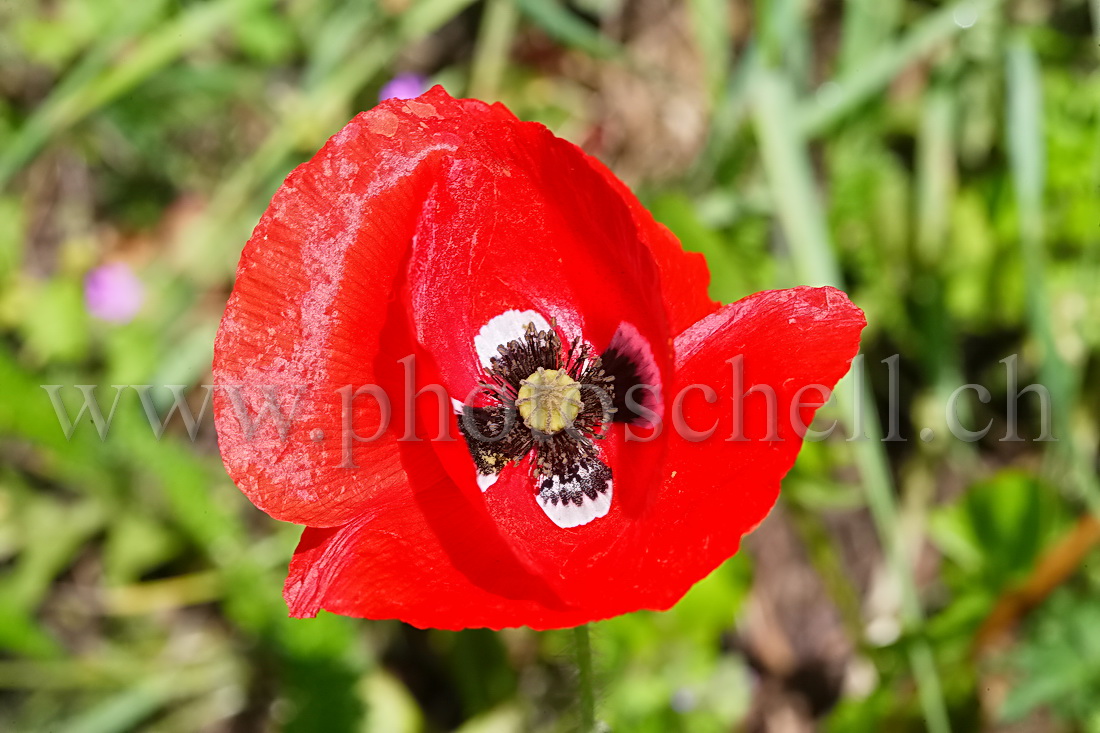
x=313, y=287
x=428, y=556
x=794, y=343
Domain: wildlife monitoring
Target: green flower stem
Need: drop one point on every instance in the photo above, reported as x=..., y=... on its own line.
x=587, y=697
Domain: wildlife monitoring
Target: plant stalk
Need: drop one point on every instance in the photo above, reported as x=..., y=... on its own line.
x=586, y=698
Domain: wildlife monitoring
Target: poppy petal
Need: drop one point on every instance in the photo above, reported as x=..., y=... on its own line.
x=795, y=344
x=508, y=326
x=504, y=234
x=398, y=560
x=312, y=291
x=684, y=275
x=577, y=499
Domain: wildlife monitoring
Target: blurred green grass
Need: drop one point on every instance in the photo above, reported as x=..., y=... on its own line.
x=941, y=161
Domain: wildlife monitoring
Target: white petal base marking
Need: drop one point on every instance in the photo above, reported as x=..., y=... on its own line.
x=508, y=326
x=564, y=511
x=485, y=480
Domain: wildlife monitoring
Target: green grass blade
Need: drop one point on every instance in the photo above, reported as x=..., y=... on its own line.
x=427, y=15
x=841, y=97
x=559, y=22
x=70, y=103
x=1094, y=11
x=1027, y=161
x=792, y=180
x=709, y=26
x=494, y=45
x=868, y=25
x=787, y=165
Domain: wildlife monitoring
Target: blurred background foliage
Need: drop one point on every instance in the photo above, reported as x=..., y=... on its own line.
x=941, y=161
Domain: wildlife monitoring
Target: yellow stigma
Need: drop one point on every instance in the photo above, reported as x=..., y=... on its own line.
x=549, y=400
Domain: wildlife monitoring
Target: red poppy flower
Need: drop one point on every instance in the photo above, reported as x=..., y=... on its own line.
x=552, y=366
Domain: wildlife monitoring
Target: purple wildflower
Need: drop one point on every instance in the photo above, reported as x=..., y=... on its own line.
x=113, y=293
x=405, y=85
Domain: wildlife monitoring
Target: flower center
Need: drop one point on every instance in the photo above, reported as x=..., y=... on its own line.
x=567, y=398
x=549, y=400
